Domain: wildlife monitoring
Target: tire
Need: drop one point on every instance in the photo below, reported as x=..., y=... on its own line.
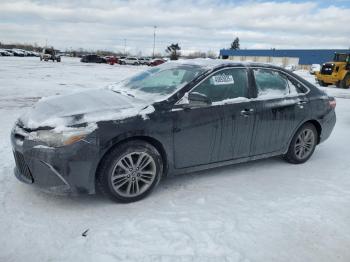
x=345, y=83
x=305, y=140
x=123, y=182
x=322, y=83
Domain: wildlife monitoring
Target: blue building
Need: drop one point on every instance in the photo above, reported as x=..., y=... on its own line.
x=306, y=56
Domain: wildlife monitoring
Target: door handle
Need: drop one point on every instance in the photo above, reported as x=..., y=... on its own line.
x=301, y=104
x=247, y=112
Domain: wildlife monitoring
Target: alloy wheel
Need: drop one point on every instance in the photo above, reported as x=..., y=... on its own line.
x=304, y=144
x=133, y=174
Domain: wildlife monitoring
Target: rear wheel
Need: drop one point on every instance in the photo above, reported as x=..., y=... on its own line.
x=345, y=83
x=302, y=145
x=130, y=171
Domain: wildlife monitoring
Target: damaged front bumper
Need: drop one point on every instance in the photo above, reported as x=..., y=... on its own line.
x=68, y=169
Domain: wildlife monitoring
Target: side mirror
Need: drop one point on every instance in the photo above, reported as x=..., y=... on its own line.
x=193, y=99
x=196, y=99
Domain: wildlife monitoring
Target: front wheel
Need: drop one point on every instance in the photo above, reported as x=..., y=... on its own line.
x=130, y=171
x=302, y=145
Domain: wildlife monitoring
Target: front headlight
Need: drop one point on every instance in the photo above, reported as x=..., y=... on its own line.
x=63, y=138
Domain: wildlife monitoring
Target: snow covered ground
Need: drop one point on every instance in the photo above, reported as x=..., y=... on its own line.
x=262, y=211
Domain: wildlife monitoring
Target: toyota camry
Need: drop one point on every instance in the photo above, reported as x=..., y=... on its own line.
x=179, y=117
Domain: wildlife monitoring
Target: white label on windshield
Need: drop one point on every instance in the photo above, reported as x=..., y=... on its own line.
x=223, y=80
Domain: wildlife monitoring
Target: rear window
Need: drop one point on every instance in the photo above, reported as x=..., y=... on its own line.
x=270, y=83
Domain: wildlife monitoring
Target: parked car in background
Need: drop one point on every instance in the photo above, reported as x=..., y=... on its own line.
x=92, y=58
x=10, y=52
x=129, y=61
x=156, y=62
x=16, y=52
x=3, y=52
x=32, y=53
x=111, y=60
x=50, y=54
x=144, y=61
x=315, y=68
x=291, y=68
x=19, y=52
x=172, y=119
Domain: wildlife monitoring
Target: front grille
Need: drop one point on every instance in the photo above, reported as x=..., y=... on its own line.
x=327, y=69
x=23, y=167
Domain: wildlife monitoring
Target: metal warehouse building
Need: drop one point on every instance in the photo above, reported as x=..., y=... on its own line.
x=283, y=56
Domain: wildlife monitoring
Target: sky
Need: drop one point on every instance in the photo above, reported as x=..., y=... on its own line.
x=197, y=25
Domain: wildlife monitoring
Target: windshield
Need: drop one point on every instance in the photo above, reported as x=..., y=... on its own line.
x=158, y=82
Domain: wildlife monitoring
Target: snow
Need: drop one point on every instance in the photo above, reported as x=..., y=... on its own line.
x=231, y=101
x=266, y=210
x=81, y=107
x=146, y=111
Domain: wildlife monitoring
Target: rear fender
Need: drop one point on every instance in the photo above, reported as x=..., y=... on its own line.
x=317, y=125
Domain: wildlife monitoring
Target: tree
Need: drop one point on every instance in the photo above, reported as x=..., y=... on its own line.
x=173, y=50
x=235, y=44
x=212, y=54
x=196, y=54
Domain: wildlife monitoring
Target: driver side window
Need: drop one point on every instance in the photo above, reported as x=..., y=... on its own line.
x=225, y=84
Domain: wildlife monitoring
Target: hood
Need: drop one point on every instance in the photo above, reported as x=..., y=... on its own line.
x=84, y=107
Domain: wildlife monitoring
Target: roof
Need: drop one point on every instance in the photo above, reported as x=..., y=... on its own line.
x=214, y=63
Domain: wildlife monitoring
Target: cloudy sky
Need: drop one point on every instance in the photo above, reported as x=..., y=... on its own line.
x=195, y=24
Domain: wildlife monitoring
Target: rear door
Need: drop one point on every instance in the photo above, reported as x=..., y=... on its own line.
x=279, y=110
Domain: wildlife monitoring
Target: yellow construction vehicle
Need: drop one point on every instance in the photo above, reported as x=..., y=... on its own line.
x=336, y=72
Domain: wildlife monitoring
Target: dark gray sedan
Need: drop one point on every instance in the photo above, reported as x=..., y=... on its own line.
x=175, y=118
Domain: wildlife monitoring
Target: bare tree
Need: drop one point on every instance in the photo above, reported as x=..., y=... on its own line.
x=173, y=50
x=235, y=44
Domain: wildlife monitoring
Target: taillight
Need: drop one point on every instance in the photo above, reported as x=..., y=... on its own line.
x=332, y=103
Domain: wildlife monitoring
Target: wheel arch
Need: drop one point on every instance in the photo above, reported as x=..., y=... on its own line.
x=315, y=123
x=151, y=140
x=318, y=127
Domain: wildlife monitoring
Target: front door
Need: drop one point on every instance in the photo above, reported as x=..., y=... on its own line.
x=221, y=131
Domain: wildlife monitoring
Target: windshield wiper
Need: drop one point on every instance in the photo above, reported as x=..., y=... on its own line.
x=130, y=94
x=123, y=93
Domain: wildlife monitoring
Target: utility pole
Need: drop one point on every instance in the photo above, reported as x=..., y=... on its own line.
x=154, y=39
x=125, y=46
